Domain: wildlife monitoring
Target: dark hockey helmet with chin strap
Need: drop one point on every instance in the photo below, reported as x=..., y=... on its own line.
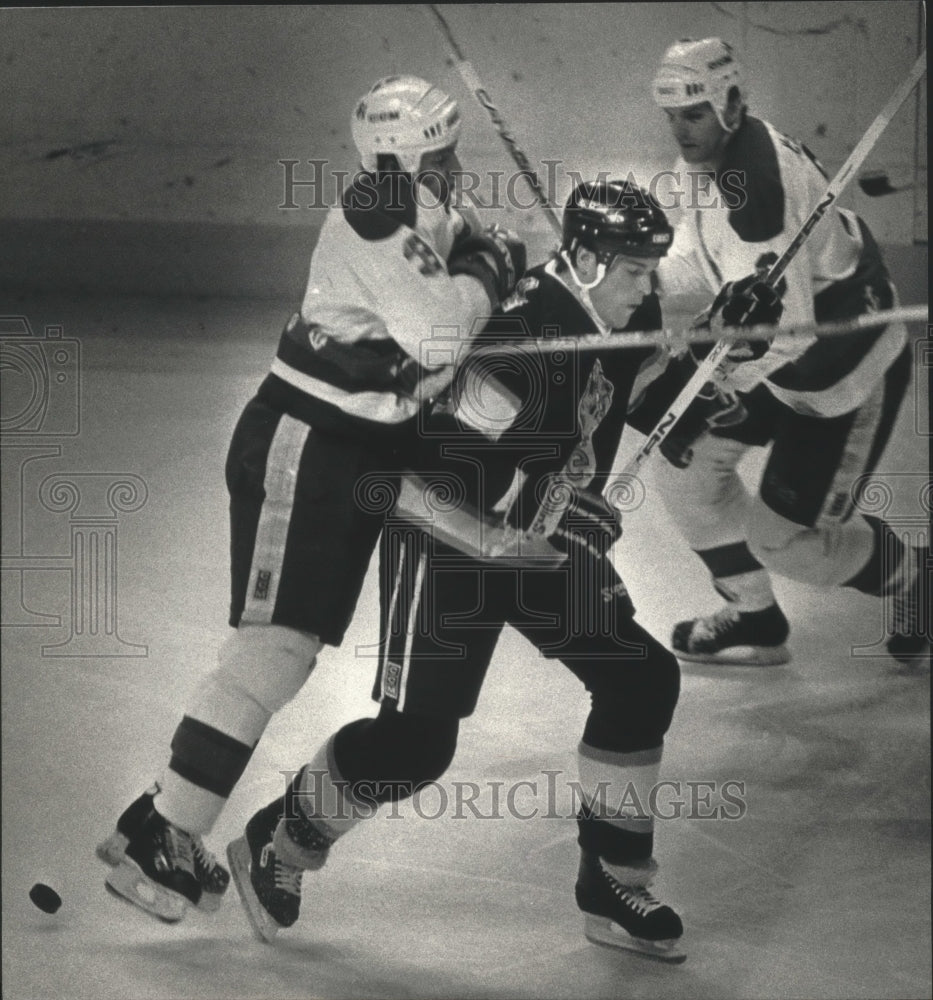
x=615, y=217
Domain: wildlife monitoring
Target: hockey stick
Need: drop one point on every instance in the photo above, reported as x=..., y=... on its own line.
x=552, y=509
x=475, y=86
x=492, y=540
x=692, y=335
x=710, y=364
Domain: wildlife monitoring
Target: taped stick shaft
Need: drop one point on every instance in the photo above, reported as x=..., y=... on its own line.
x=833, y=190
x=728, y=336
x=855, y=159
x=475, y=86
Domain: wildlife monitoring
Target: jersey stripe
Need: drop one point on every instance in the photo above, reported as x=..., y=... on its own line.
x=839, y=503
x=410, y=630
x=389, y=625
x=383, y=407
x=851, y=390
x=265, y=572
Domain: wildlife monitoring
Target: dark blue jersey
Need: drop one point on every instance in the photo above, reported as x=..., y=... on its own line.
x=514, y=419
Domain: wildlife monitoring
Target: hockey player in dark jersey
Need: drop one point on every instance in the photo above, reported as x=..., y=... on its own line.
x=825, y=408
x=522, y=436
x=394, y=260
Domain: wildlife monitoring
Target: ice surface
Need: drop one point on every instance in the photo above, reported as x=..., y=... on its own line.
x=822, y=889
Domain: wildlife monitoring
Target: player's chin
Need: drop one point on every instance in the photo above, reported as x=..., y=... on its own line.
x=623, y=316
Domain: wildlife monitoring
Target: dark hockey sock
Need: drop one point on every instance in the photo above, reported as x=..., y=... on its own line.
x=739, y=577
x=729, y=560
x=621, y=847
x=880, y=574
x=208, y=758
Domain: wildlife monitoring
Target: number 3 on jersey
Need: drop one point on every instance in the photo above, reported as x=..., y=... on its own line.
x=417, y=251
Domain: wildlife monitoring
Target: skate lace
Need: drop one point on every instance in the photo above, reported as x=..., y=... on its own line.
x=287, y=878
x=207, y=859
x=717, y=624
x=179, y=848
x=636, y=897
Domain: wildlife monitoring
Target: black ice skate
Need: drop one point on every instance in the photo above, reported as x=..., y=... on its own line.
x=156, y=872
x=912, y=624
x=621, y=913
x=269, y=886
x=211, y=875
x=747, y=638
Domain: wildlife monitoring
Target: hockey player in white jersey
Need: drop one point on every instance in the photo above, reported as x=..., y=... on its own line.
x=825, y=407
x=394, y=260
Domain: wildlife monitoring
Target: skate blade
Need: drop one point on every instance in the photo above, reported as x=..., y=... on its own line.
x=264, y=927
x=129, y=882
x=740, y=656
x=112, y=851
x=210, y=901
x=602, y=930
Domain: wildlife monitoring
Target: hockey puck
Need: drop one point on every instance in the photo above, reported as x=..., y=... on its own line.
x=876, y=183
x=45, y=897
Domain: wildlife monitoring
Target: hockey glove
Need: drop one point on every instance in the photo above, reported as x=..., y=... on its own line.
x=751, y=301
x=496, y=256
x=591, y=523
x=711, y=408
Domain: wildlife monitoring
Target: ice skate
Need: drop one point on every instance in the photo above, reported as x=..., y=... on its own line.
x=912, y=625
x=269, y=890
x=211, y=875
x=280, y=843
x=729, y=636
x=156, y=872
x=620, y=912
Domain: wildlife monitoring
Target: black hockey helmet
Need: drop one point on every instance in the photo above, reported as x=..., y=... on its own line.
x=615, y=217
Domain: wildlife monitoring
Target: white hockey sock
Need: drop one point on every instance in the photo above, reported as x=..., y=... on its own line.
x=217, y=734
x=327, y=798
x=618, y=787
x=188, y=806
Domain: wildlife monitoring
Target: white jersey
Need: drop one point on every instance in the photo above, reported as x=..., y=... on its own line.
x=769, y=185
x=380, y=306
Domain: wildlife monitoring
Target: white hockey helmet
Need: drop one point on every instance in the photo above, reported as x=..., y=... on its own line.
x=405, y=116
x=697, y=70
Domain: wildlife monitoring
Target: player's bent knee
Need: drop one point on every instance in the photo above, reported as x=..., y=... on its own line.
x=782, y=545
x=397, y=752
x=824, y=556
x=269, y=663
x=632, y=708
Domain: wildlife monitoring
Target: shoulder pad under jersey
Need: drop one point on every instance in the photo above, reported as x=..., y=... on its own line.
x=376, y=207
x=754, y=177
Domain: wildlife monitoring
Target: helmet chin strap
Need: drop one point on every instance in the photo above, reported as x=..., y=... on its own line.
x=584, y=286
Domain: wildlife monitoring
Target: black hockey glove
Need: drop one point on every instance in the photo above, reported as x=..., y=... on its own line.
x=746, y=302
x=711, y=408
x=496, y=256
x=750, y=301
x=591, y=523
